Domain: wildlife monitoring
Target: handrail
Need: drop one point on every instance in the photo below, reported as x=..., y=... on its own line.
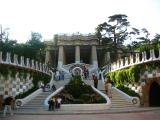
x=132, y=60
x=134, y=100
x=108, y=101
x=21, y=102
x=53, y=94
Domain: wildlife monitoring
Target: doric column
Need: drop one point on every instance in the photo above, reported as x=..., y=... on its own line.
x=47, y=58
x=94, y=55
x=60, y=56
x=77, y=54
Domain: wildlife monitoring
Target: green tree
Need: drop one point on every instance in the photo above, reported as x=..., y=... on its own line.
x=4, y=34
x=113, y=33
x=36, y=47
x=115, y=29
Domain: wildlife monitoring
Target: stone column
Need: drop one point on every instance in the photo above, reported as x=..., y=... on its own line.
x=137, y=57
x=22, y=60
x=94, y=56
x=47, y=58
x=77, y=54
x=37, y=66
x=33, y=66
x=28, y=63
x=60, y=56
x=126, y=61
x=15, y=59
x=8, y=58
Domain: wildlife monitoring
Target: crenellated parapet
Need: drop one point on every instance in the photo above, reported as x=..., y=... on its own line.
x=24, y=62
x=138, y=58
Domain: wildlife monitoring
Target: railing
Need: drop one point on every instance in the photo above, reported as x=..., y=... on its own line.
x=133, y=100
x=53, y=94
x=108, y=101
x=23, y=63
x=101, y=106
x=139, y=58
x=21, y=102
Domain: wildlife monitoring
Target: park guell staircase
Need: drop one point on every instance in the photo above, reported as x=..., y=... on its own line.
x=119, y=102
x=37, y=104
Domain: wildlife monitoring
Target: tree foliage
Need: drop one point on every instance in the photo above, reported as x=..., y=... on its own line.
x=115, y=30
x=113, y=34
x=33, y=48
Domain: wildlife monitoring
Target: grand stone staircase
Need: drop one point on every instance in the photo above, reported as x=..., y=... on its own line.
x=37, y=104
x=119, y=102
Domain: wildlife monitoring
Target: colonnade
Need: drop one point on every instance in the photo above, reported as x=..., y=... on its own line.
x=61, y=55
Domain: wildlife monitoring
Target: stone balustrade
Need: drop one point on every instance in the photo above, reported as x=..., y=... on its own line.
x=24, y=62
x=138, y=58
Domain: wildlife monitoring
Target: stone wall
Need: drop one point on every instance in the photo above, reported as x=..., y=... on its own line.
x=14, y=86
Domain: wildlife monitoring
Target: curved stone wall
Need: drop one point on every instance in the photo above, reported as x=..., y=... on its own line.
x=14, y=84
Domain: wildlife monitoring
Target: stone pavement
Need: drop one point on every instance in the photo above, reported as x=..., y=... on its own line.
x=149, y=115
x=70, y=112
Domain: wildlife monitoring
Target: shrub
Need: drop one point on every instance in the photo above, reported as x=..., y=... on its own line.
x=128, y=91
x=77, y=92
x=76, y=87
x=24, y=94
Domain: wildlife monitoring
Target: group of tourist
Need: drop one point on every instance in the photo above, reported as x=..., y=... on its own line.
x=59, y=75
x=54, y=102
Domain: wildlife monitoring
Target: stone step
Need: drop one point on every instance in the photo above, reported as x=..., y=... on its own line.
x=123, y=107
x=120, y=102
x=39, y=98
x=33, y=106
x=35, y=103
x=117, y=103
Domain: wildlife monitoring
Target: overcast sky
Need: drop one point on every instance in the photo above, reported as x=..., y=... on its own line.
x=50, y=17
